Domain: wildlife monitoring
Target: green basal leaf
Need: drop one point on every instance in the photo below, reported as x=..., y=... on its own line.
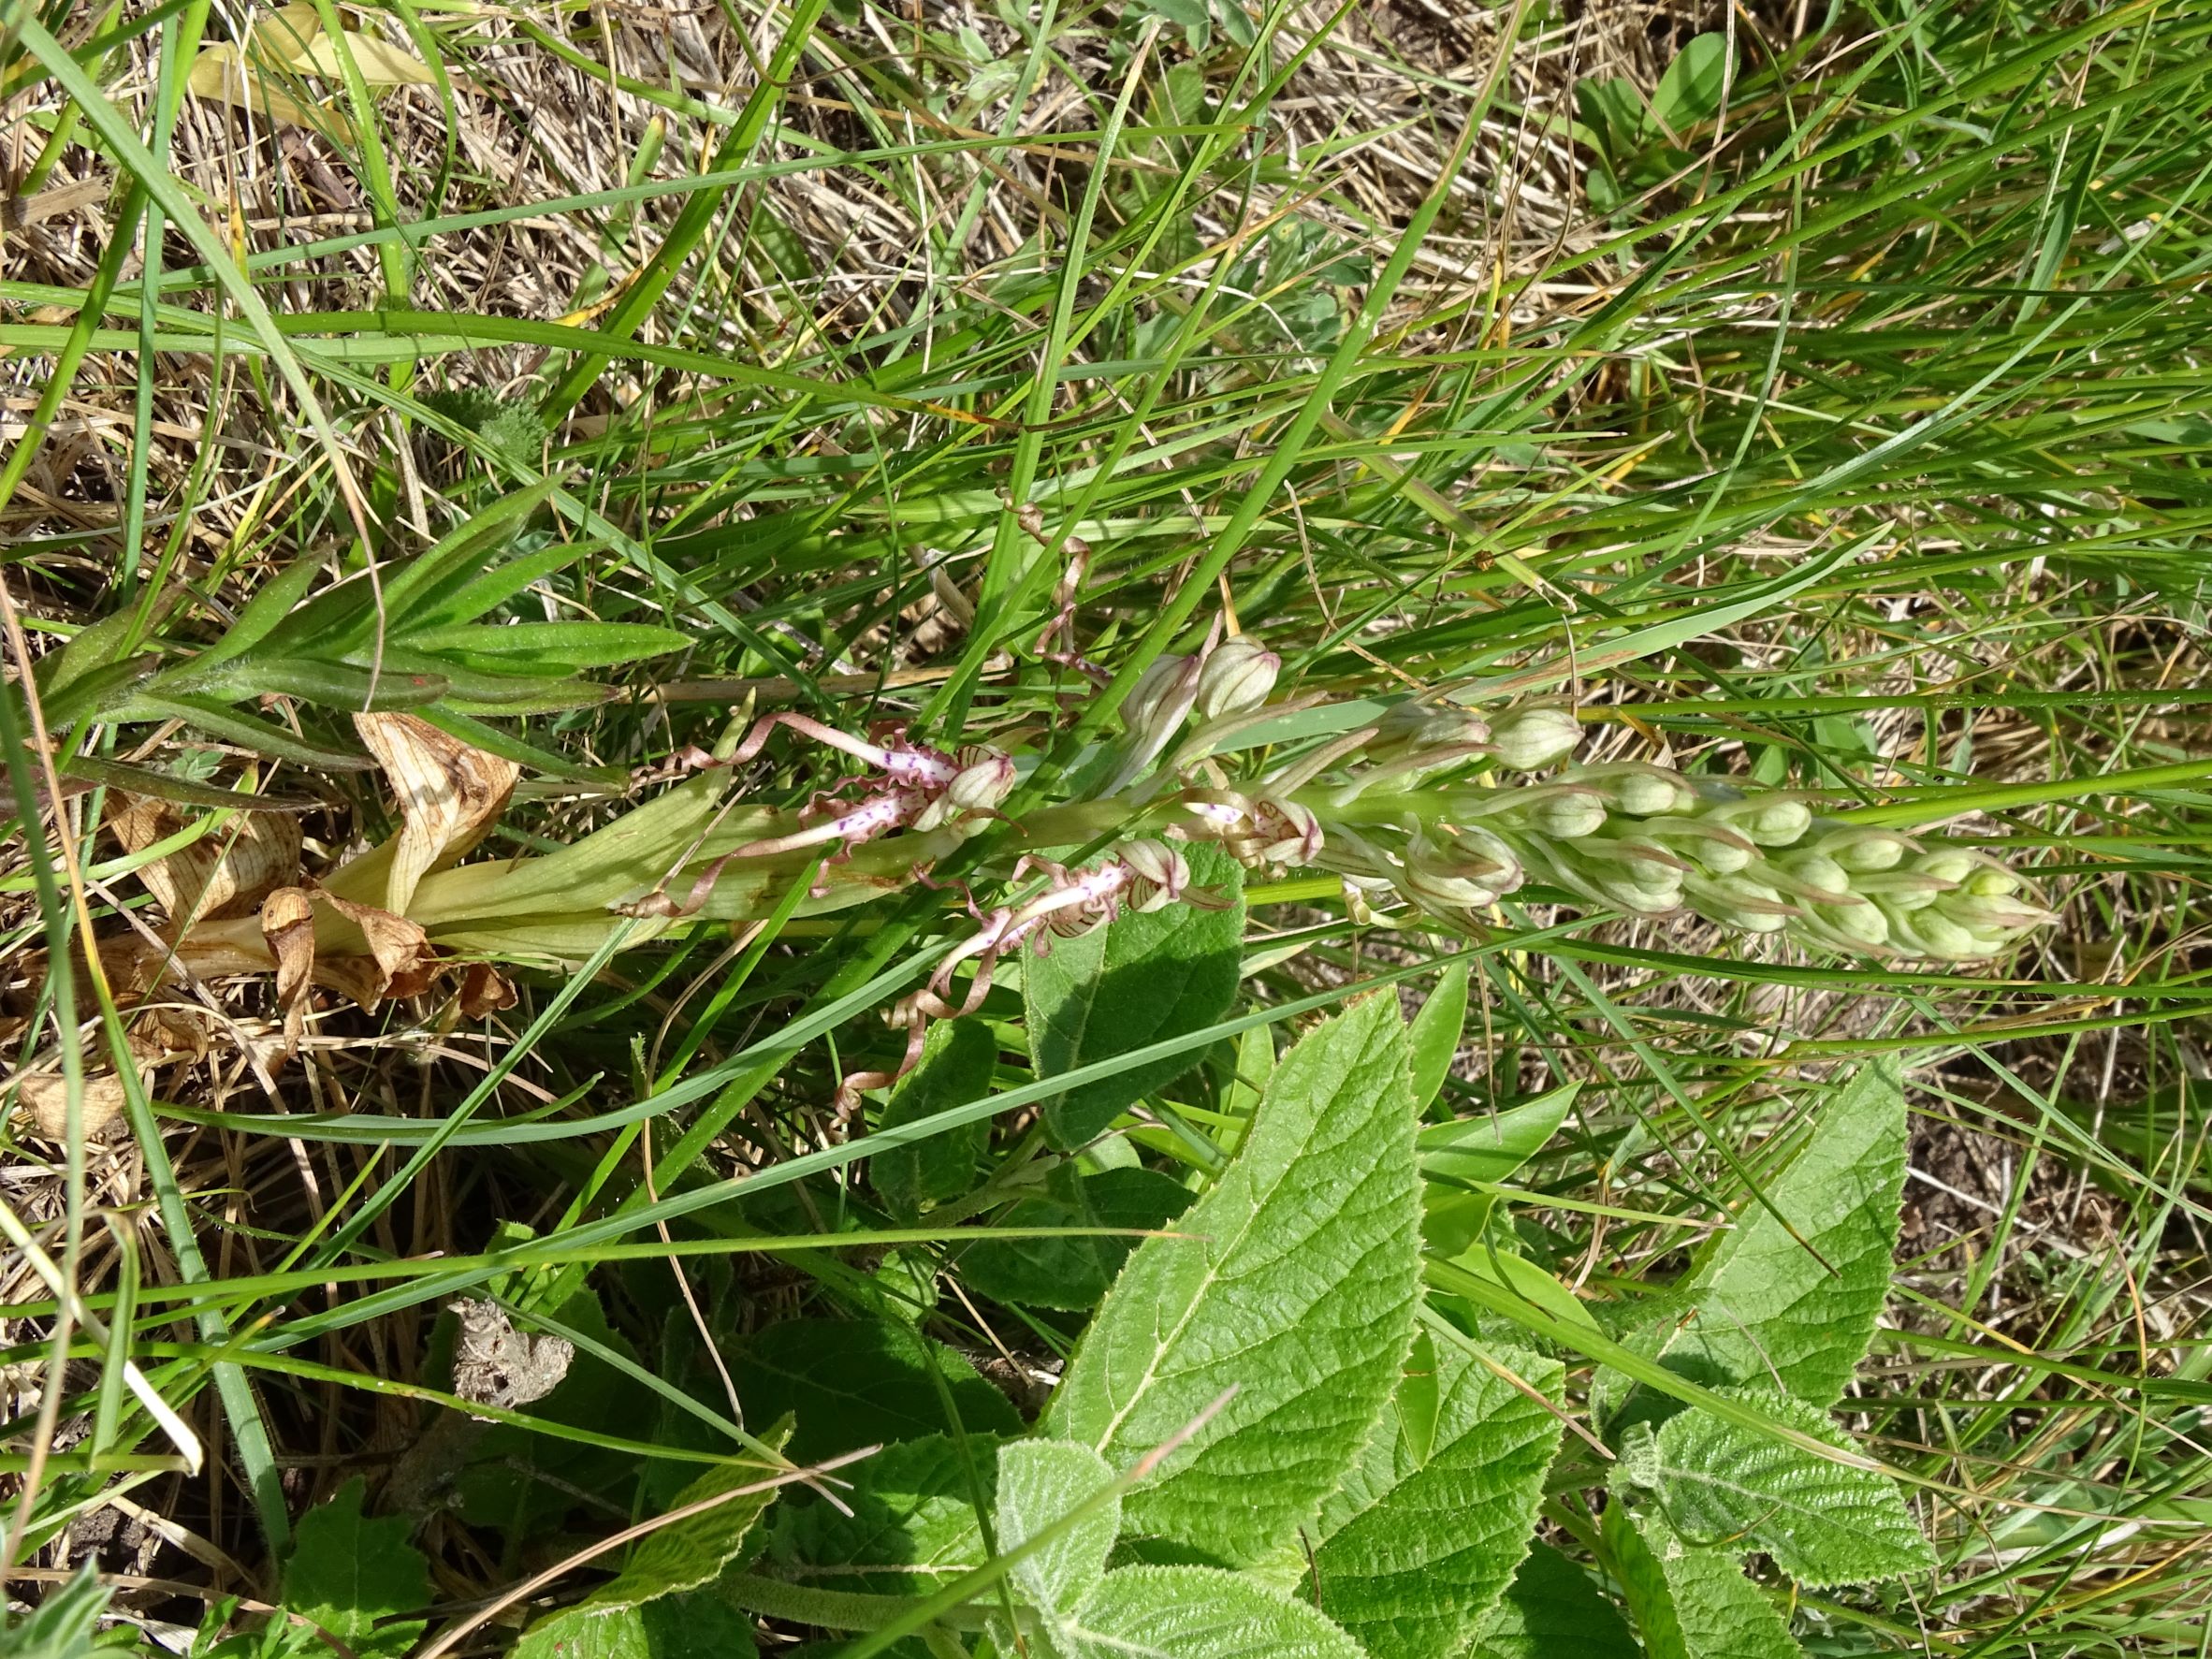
x=1415, y=1548
x=1290, y=1290
x=1553, y=1610
x=1767, y=1309
x=1688, y=1603
x=1041, y=1482
x=1825, y=1523
x=1147, y=977
x=272, y=602
x=861, y=1382
x=1202, y=1613
x=347, y=1572
x=957, y=1059
x=553, y=647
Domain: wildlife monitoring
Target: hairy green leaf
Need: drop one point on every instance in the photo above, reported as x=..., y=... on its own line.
x=1072, y=1272
x=695, y=1626
x=1417, y=1546
x=347, y=1572
x=957, y=1059
x=859, y=1382
x=1292, y=1286
x=1553, y=1610
x=1041, y=1482
x=1203, y=1613
x=1824, y=1523
x=913, y=1527
x=1766, y=1308
x=1145, y=977
x=1691, y=1604
x=687, y=1553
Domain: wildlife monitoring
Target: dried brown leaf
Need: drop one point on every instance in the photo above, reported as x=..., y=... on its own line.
x=485, y=990
x=47, y=1099
x=225, y=872
x=288, y=925
x=450, y=796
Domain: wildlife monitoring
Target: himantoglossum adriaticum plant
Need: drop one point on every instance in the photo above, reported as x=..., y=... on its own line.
x=1432, y=809
x=1429, y=815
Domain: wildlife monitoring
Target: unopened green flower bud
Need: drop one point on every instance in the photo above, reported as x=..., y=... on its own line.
x=1864, y=850
x=1989, y=914
x=1930, y=933
x=1740, y=901
x=1466, y=872
x=1946, y=864
x=1566, y=813
x=1715, y=849
x=1162, y=698
x=1771, y=821
x=1534, y=739
x=1994, y=883
x=1819, y=872
x=1862, y=924
x=1236, y=677
x=1411, y=726
x=1639, y=791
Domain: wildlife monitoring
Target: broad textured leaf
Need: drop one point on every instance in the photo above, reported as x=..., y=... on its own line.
x=1072, y=1272
x=1041, y=1482
x=1293, y=1285
x=1823, y=1523
x=913, y=1526
x=1553, y=1610
x=687, y=1553
x=1202, y=1613
x=1768, y=1311
x=957, y=1059
x=348, y=1571
x=1692, y=1604
x=1148, y=977
x=860, y=1382
x=1415, y=1550
x=697, y=1626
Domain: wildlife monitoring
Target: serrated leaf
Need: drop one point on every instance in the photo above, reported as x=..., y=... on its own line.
x=1436, y=1032
x=687, y=1553
x=1553, y=1610
x=1768, y=1310
x=1691, y=1604
x=912, y=1528
x=1071, y=1274
x=1825, y=1523
x=1292, y=1282
x=1041, y=1482
x=697, y=1626
x=1144, y=978
x=860, y=1382
x=348, y=1571
x=1415, y=1550
x=1202, y=1613
x=957, y=1059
